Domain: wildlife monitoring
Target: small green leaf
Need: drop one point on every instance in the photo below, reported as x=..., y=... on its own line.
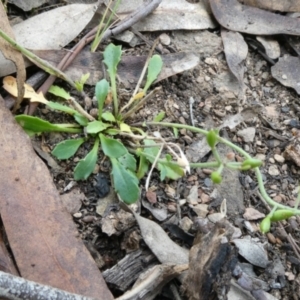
x=96, y=126
x=216, y=177
x=111, y=147
x=67, y=148
x=159, y=117
x=108, y=116
x=125, y=182
x=128, y=161
x=212, y=138
x=112, y=131
x=59, y=92
x=61, y=107
x=250, y=163
x=112, y=56
x=154, y=68
x=80, y=119
x=86, y=166
x=124, y=127
x=170, y=170
x=143, y=167
x=265, y=224
x=80, y=83
x=175, y=131
x=281, y=214
x=35, y=124
x=101, y=91
x=153, y=151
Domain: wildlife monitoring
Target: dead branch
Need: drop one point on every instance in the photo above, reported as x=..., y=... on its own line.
x=17, y=288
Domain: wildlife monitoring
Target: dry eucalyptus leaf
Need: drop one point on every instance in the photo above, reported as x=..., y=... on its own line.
x=271, y=46
x=13, y=57
x=27, y=5
x=237, y=17
x=10, y=85
x=236, y=51
x=278, y=5
x=41, y=233
x=287, y=72
x=171, y=15
x=160, y=244
x=50, y=30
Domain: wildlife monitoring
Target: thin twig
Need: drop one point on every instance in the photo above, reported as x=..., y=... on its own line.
x=130, y=20
x=137, y=87
x=191, y=102
x=17, y=288
x=152, y=167
x=141, y=103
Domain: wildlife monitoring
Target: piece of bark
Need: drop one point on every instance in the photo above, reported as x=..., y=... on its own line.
x=128, y=269
x=210, y=263
x=41, y=233
x=6, y=263
x=151, y=282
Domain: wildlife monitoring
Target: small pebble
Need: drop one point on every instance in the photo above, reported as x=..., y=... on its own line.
x=88, y=219
x=279, y=158
x=271, y=238
x=165, y=39
x=208, y=182
x=172, y=208
x=77, y=215
x=273, y=170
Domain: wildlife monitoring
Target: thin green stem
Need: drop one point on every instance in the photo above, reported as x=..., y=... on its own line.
x=37, y=60
x=261, y=186
x=114, y=94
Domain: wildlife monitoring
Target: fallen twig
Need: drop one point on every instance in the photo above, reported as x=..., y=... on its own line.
x=124, y=24
x=17, y=288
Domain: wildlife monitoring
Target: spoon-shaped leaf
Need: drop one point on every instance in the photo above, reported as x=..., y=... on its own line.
x=35, y=124
x=112, y=56
x=86, y=166
x=101, y=91
x=67, y=148
x=125, y=182
x=111, y=147
x=154, y=68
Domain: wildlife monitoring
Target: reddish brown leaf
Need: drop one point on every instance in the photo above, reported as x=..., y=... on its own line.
x=40, y=232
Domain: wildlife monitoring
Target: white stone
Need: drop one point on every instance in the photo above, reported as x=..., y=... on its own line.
x=247, y=134
x=273, y=170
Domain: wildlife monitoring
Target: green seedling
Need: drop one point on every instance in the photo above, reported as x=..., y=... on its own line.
x=81, y=82
x=133, y=152
x=105, y=133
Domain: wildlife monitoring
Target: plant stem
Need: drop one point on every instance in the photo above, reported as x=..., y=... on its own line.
x=234, y=147
x=37, y=60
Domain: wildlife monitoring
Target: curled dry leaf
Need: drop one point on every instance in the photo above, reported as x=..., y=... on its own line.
x=287, y=72
x=12, y=56
x=236, y=51
x=160, y=244
x=271, y=46
x=278, y=5
x=10, y=85
x=237, y=17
